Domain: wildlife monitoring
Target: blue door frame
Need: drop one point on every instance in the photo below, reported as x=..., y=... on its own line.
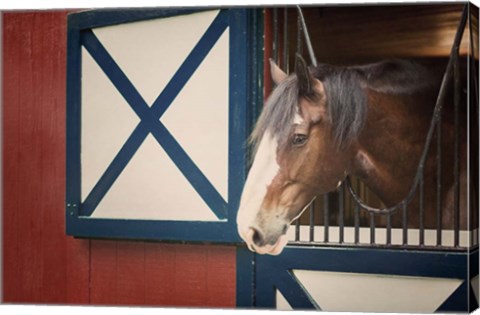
x=244, y=76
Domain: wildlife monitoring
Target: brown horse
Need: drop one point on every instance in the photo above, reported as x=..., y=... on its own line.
x=320, y=125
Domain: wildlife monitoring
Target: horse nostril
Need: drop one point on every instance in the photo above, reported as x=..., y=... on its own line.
x=285, y=229
x=257, y=237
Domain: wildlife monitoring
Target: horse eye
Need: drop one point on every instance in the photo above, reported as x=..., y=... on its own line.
x=299, y=139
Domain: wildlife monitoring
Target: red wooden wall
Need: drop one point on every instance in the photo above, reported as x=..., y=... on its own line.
x=42, y=264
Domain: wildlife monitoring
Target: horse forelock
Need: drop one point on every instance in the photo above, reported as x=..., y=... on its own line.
x=278, y=112
x=346, y=106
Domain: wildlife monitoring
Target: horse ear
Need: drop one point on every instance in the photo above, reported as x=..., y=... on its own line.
x=305, y=79
x=278, y=76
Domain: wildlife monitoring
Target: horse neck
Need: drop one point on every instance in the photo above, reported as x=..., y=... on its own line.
x=390, y=145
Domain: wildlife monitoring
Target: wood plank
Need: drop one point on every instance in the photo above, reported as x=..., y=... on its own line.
x=130, y=273
x=30, y=229
x=191, y=275
x=160, y=274
x=34, y=162
x=78, y=271
x=221, y=276
x=50, y=57
x=25, y=158
x=10, y=138
x=103, y=272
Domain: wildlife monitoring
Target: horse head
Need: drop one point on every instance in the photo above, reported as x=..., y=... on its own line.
x=297, y=158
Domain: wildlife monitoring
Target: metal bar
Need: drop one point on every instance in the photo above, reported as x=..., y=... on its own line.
x=389, y=229
x=285, y=40
x=405, y=224
x=275, y=18
x=299, y=36
x=325, y=218
x=312, y=221
x=341, y=210
x=421, y=223
x=472, y=57
x=357, y=223
x=472, y=188
x=439, y=181
x=275, y=34
x=456, y=156
x=307, y=37
x=372, y=228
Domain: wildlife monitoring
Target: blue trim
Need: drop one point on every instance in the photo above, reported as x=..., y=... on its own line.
x=473, y=263
x=86, y=227
x=107, y=17
x=245, y=273
x=79, y=222
x=270, y=278
x=73, y=121
x=372, y=261
x=253, y=43
x=272, y=271
x=461, y=301
x=240, y=59
x=265, y=290
x=294, y=293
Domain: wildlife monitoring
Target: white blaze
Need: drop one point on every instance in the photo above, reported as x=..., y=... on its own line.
x=298, y=119
x=261, y=175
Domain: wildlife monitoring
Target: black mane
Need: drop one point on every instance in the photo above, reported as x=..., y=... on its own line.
x=346, y=100
x=345, y=88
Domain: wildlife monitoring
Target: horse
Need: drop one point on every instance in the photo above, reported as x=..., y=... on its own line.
x=324, y=123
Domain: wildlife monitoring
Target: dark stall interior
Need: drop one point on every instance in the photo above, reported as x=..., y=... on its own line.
x=355, y=35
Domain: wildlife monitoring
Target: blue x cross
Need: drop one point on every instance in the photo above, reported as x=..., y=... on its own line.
x=150, y=118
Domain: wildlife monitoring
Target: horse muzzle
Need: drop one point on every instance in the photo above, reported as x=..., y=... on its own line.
x=265, y=243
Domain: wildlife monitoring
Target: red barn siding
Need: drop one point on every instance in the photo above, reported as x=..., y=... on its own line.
x=35, y=246
x=43, y=265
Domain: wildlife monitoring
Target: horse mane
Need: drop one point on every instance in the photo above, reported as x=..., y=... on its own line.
x=278, y=112
x=346, y=100
x=345, y=88
x=399, y=76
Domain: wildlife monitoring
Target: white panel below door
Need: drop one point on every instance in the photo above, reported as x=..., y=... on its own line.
x=376, y=293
